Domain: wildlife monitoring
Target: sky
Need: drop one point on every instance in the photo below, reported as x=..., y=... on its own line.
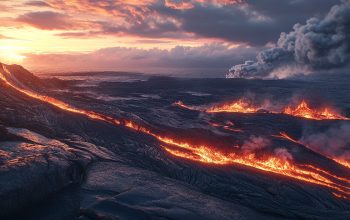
x=156, y=36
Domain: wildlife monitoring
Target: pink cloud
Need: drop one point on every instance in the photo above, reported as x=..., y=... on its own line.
x=46, y=20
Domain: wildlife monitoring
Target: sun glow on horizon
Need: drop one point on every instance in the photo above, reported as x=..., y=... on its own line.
x=66, y=35
x=11, y=54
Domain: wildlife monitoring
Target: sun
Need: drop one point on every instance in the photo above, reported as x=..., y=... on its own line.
x=11, y=54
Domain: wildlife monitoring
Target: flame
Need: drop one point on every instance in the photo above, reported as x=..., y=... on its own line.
x=339, y=186
x=342, y=162
x=240, y=106
x=306, y=173
x=303, y=110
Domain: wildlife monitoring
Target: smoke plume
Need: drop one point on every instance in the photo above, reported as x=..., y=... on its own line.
x=320, y=44
x=334, y=142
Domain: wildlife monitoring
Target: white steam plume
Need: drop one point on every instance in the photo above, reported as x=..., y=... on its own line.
x=320, y=44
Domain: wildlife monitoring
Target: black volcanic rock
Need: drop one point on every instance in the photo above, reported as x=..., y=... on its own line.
x=114, y=190
x=22, y=76
x=59, y=165
x=35, y=168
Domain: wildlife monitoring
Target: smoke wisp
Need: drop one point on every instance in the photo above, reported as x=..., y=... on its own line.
x=334, y=142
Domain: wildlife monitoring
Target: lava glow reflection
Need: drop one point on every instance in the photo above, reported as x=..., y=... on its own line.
x=339, y=186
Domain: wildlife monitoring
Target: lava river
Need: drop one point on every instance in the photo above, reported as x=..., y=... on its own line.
x=302, y=110
x=338, y=185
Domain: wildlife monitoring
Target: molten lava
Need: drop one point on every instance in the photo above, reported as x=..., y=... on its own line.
x=304, y=111
x=339, y=186
x=182, y=105
x=240, y=106
x=342, y=162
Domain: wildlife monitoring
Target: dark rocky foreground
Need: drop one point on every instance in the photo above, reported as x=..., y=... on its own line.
x=59, y=165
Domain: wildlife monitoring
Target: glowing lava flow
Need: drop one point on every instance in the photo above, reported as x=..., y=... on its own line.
x=271, y=164
x=284, y=135
x=57, y=103
x=303, y=110
x=240, y=105
x=342, y=162
x=210, y=154
x=182, y=105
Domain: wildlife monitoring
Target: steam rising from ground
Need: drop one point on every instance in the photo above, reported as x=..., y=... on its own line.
x=257, y=143
x=334, y=142
x=320, y=44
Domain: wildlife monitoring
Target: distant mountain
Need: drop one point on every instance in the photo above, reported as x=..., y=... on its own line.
x=23, y=78
x=20, y=76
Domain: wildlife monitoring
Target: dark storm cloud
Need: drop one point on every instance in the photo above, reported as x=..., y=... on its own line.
x=46, y=20
x=321, y=43
x=253, y=22
x=149, y=27
x=230, y=23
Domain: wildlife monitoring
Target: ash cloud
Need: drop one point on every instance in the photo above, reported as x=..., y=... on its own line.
x=320, y=44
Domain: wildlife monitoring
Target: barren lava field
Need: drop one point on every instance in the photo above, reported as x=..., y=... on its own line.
x=130, y=146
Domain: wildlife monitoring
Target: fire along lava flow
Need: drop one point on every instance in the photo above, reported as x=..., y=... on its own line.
x=239, y=106
x=302, y=110
x=307, y=173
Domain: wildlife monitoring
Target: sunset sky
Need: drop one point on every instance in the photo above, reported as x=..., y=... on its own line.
x=147, y=36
